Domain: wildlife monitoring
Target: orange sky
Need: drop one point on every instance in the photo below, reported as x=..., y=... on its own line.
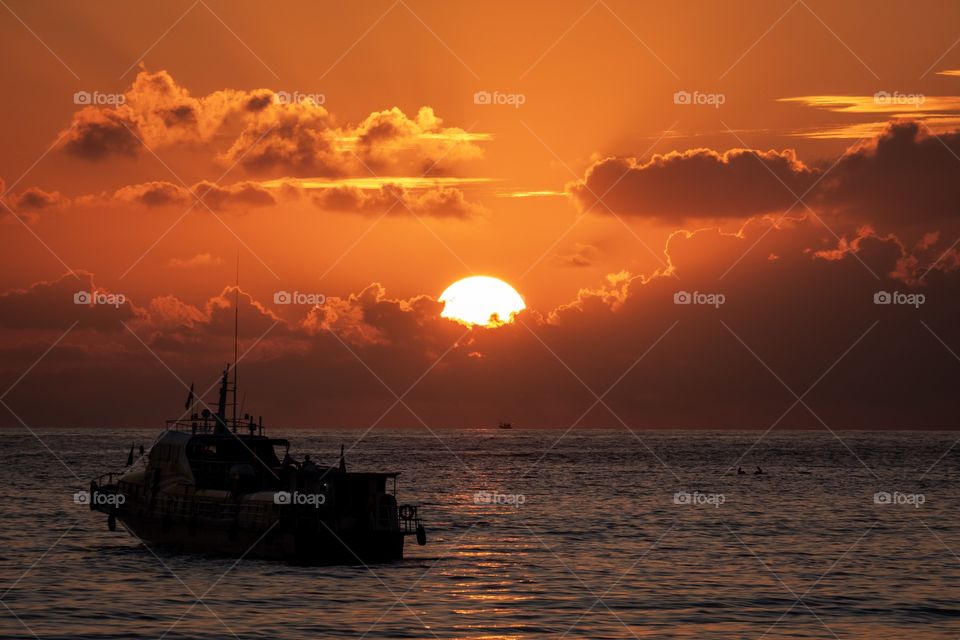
x=395, y=182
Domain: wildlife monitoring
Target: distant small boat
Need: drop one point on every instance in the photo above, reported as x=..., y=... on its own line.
x=505, y=425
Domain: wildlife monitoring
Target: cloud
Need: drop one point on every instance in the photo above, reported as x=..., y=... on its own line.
x=266, y=135
x=57, y=304
x=903, y=180
x=583, y=255
x=695, y=184
x=372, y=318
x=394, y=199
x=97, y=133
x=35, y=199
x=906, y=177
x=369, y=199
x=154, y=194
x=940, y=114
x=239, y=195
x=438, y=202
x=196, y=261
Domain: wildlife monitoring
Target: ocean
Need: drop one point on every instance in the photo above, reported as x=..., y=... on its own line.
x=531, y=534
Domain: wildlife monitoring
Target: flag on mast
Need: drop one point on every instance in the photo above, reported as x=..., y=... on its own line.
x=189, y=402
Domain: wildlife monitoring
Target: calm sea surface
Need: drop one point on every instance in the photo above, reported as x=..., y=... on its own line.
x=602, y=546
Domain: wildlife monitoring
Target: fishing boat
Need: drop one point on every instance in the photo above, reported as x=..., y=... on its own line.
x=217, y=484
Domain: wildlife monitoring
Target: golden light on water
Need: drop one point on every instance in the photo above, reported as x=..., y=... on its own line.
x=481, y=300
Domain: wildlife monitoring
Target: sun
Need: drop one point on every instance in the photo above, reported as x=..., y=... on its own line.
x=481, y=300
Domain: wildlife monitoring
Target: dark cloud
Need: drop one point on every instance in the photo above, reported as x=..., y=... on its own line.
x=903, y=180
x=35, y=199
x=906, y=177
x=700, y=183
x=57, y=304
x=442, y=202
x=240, y=195
x=154, y=194
x=98, y=133
x=237, y=195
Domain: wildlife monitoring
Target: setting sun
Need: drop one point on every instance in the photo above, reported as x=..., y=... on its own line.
x=481, y=300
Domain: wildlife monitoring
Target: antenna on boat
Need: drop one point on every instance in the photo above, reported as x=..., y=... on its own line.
x=236, y=330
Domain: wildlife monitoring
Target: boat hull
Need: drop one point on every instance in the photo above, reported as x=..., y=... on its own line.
x=308, y=545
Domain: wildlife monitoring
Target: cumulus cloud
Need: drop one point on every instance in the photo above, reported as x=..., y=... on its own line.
x=372, y=318
x=700, y=183
x=443, y=202
x=57, y=304
x=902, y=180
x=906, y=177
x=34, y=199
x=435, y=201
x=154, y=194
x=97, y=133
x=265, y=135
x=239, y=195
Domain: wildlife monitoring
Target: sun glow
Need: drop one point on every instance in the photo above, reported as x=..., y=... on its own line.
x=481, y=300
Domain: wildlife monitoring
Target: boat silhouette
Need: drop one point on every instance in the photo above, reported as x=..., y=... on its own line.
x=216, y=484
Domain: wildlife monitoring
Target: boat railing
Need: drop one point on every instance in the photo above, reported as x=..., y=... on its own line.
x=201, y=425
x=408, y=517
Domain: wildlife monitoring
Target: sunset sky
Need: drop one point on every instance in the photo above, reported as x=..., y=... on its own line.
x=785, y=162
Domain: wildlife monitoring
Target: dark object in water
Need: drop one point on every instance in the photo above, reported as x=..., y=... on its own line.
x=206, y=486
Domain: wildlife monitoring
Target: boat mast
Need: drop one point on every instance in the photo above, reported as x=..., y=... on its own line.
x=236, y=327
